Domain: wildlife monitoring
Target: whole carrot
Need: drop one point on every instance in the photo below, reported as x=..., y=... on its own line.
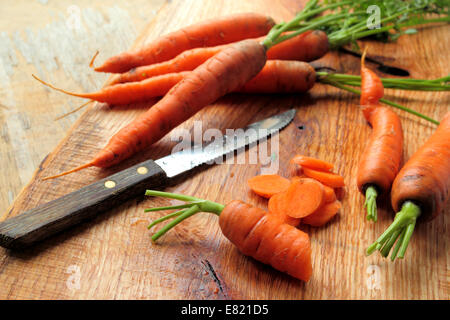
x=205, y=34
x=382, y=155
x=307, y=46
x=230, y=69
x=276, y=77
x=420, y=191
x=252, y=230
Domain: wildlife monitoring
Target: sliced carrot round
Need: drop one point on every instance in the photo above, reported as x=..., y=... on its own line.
x=276, y=206
x=312, y=163
x=268, y=185
x=303, y=197
x=327, y=178
x=323, y=214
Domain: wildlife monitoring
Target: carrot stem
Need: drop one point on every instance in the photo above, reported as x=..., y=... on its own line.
x=402, y=228
x=192, y=206
x=189, y=212
x=371, y=203
x=164, y=218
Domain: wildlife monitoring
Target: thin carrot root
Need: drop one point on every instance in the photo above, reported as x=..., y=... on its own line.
x=91, y=64
x=57, y=89
x=73, y=111
x=87, y=165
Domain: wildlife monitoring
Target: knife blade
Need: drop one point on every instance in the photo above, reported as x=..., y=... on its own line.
x=55, y=216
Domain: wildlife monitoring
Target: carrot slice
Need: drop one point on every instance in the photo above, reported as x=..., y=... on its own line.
x=327, y=178
x=330, y=195
x=323, y=214
x=303, y=197
x=268, y=185
x=312, y=163
x=276, y=207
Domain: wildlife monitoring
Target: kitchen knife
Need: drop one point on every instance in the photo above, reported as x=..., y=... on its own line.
x=36, y=224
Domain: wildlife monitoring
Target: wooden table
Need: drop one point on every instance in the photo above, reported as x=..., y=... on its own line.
x=112, y=256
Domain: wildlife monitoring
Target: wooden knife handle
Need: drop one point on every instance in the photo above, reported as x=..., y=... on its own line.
x=45, y=220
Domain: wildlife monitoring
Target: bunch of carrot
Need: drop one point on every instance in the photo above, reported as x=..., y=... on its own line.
x=309, y=198
x=238, y=64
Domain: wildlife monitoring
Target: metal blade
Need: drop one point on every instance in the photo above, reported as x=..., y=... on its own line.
x=187, y=159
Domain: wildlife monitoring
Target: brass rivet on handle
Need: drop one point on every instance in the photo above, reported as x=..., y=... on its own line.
x=142, y=170
x=110, y=184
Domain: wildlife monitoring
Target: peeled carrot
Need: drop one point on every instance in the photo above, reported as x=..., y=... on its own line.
x=307, y=46
x=225, y=72
x=327, y=178
x=275, y=77
x=252, y=230
x=276, y=206
x=380, y=161
x=205, y=34
x=268, y=185
x=420, y=190
x=312, y=163
x=324, y=214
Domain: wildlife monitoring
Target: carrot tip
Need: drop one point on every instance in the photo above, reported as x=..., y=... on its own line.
x=87, y=165
x=91, y=64
x=73, y=111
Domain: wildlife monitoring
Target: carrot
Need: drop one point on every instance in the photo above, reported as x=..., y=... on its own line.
x=324, y=214
x=275, y=77
x=268, y=185
x=329, y=194
x=302, y=198
x=277, y=206
x=372, y=89
x=205, y=34
x=380, y=161
x=327, y=178
x=312, y=163
x=252, y=230
x=223, y=73
x=420, y=190
x=307, y=46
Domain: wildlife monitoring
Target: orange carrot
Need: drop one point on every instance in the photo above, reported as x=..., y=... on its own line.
x=312, y=163
x=225, y=72
x=372, y=89
x=380, y=161
x=420, y=190
x=324, y=214
x=252, y=230
x=303, y=197
x=329, y=194
x=276, y=77
x=307, y=46
x=268, y=185
x=205, y=34
x=276, y=206
x=327, y=178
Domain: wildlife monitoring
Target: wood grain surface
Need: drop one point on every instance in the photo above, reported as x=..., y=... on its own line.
x=112, y=257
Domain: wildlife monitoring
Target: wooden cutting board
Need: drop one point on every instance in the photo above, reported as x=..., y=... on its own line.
x=112, y=257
